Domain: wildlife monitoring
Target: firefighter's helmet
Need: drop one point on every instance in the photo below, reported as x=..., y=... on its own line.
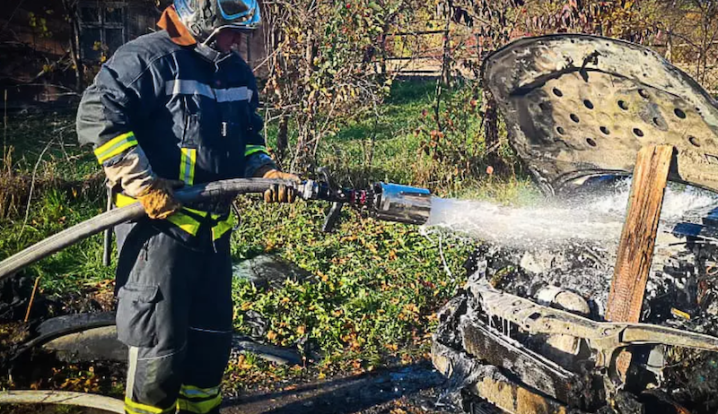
x=205, y=18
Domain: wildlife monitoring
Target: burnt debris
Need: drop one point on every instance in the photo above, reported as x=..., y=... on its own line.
x=528, y=334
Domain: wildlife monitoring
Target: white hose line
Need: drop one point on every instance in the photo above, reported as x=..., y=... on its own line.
x=63, y=397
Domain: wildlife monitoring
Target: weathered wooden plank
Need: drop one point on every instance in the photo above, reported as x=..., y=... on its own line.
x=638, y=239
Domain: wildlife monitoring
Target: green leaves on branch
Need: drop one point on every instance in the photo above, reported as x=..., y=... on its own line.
x=327, y=60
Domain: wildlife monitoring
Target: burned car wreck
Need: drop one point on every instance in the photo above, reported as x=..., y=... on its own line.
x=533, y=329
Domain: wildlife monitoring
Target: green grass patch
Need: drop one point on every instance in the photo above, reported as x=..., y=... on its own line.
x=70, y=270
x=375, y=286
x=47, y=145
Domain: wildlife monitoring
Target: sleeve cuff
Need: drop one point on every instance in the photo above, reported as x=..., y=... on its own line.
x=133, y=172
x=255, y=149
x=256, y=161
x=115, y=147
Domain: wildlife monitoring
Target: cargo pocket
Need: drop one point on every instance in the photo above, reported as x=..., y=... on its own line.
x=136, y=315
x=191, y=132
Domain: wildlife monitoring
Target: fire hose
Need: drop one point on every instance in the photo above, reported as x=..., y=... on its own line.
x=79, y=399
x=389, y=202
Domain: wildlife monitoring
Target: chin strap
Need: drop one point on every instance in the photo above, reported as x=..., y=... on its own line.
x=208, y=53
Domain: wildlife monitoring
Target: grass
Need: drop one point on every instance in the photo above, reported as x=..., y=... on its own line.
x=375, y=286
x=53, y=136
x=374, y=289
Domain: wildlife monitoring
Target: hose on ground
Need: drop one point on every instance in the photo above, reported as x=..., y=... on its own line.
x=109, y=219
x=99, y=402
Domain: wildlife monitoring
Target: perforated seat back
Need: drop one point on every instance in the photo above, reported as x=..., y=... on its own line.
x=578, y=106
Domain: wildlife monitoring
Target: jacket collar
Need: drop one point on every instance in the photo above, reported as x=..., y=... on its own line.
x=179, y=34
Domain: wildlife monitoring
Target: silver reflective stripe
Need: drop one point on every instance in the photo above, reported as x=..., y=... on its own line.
x=233, y=94
x=188, y=87
x=191, y=87
x=131, y=371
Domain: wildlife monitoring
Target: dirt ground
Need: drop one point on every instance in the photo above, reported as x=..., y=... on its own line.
x=402, y=390
x=408, y=389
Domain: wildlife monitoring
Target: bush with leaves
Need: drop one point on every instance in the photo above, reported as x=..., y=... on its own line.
x=322, y=66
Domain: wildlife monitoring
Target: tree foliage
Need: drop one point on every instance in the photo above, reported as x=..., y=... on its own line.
x=322, y=62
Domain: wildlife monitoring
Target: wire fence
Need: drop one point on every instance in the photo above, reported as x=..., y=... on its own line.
x=420, y=54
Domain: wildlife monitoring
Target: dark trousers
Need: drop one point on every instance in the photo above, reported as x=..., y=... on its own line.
x=175, y=314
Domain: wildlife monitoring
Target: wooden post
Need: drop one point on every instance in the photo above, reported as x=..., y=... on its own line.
x=638, y=239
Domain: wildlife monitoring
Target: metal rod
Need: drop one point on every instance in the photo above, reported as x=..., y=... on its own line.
x=32, y=299
x=107, y=242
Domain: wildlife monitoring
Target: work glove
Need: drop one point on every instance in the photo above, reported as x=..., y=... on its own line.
x=158, y=198
x=280, y=193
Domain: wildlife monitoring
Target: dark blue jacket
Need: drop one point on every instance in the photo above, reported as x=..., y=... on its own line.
x=171, y=98
x=191, y=112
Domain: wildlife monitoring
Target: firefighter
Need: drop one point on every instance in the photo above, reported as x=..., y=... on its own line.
x=178, y=107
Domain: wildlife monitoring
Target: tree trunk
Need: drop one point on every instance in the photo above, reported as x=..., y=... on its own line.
x=491, y=127
x=272, y=43
x=382, y=51
x=446, y=59
x=76, y=59
x=282, y=141
x=306, y=138
x=71, y=11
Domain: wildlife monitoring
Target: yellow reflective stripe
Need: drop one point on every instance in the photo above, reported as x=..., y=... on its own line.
x=253, y=149
x=115, y=146
x=184, y=222
x=198, y=212
x=129, y=410
x=199, y=407
x=222, y=227
x=187, y=165
x=122, y=200
x=191, y=391
x=137, y=408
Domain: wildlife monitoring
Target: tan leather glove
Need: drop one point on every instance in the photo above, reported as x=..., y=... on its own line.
x=280, y=193
x=158, y=198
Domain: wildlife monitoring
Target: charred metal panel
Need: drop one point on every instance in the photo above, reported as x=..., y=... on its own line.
x=533, y=369
x=493, y=386
x=579, y=105
x=467, y=351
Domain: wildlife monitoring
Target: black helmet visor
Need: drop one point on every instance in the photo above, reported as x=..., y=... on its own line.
x=235, y=9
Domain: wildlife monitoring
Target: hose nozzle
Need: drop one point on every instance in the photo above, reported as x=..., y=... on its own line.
x=401, y=203
x=383, y=201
